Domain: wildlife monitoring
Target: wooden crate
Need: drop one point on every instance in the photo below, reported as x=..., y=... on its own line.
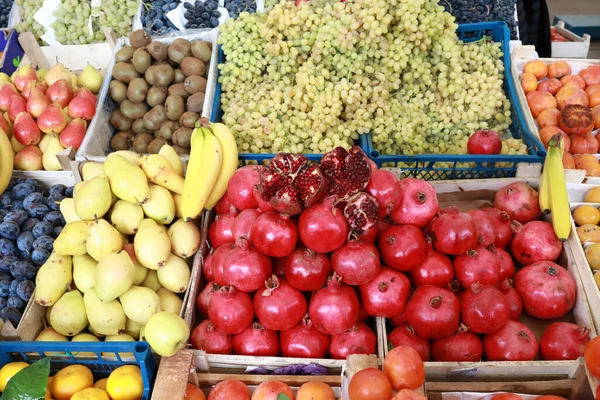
x=576, y=47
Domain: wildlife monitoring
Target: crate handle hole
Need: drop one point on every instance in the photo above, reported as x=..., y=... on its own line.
x=141, y=347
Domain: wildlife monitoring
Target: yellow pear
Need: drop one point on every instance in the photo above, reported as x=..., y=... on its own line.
x=147, y=223
x=166, y=333
x=140, y=273
x=85, y=337
x=103, y=240
x=152, y=247
x=47, y=316
x=159, y=171
x=91, y=79
x=41, y=74
x=105, y=317
x=50, y=335
x=71, y=240
x=91, y=169
x=16, y=145
x=93, y=198
x=53, y=278
x=151, y=280
x=56, y=73
x=4, y=78
x=169, y=301
x=67, y=209
x=68, y=316
x=185, y=238
x=174, y=275
x=43, y=144
x=177, y=198
x=131, y=156
x=126, y=217
x=121, y=337
x=172, y=157
x=133, y=329
x=114, y=276
x=160, y=207
x=90, y=328
x=128, y=182
x=140, y=303
x=84, y=272
x=49, y=159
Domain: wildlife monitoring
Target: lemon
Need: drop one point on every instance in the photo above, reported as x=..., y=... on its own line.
x=125, y=383
x=90, y=394
x=10, y=370
x=71, y=380
x=586, y=215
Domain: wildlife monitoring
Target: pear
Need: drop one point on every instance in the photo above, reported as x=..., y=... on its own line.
x=185, y=238
x=103, y=240
x=17, y=147
x=127, y=181
x=131, y=156
x=169, y=301
x=172, y=157
x=152, y=247
x=90, y=78
x=133, y=329
x=126, y=217
x=43, y=144
x=121, y=337
x=90, y=328
x=37, y=103
x=84, y=272
x=147, y=223
x=151, y=281
x=166, y=333
x=93, y=198
x=52, y=280
x=53, y=119
x=71, y=240
x=56, y=73
x=49, y=159
x=177, y=199
x=67, y=209
x=159, y=171
x=160, y=207
x=85, y=337
x=68, y=315
x=47, y=316
x=105, y=317
x=4, y=78
x=41, y=74
x=50, y=335
x=140, y=275
x=91, y=169
x=24, y=74
x=174, y=275
x=114, y=276
x=140, y=303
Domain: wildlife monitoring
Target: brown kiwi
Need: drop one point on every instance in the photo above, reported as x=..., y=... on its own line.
x=160, y=75
x=182, y=137
x=133, y=110
x=119, y=121
x=154, y=118
x=195, y=102
x=174, y=107
x=117, y=91
x=156, y=95
x=141, y=60
x=192, y=66
x=179, y=76
x=124, y=72
x=125, y=54
x=121, y=141
x=157, y=50
x=167, y=128
x=138, y=126
x=189, y=119
x=178, y=89
x=201, y=51
x=139, y=38
x=141, y=142
x=155, y=145
x=194, y=84
x=137, y=90
x=178, y=50
x=180, y=150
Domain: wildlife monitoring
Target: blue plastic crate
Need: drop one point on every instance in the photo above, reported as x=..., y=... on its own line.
x=64, y=354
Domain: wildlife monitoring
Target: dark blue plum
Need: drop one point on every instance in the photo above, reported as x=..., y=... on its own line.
x=5, y=263
x=22, y=270
x=12, y=290
x=44, y=242
x=69, y=191
x=2, y=303
x=18, y=205
x=22, y=190
x=7, y=248
x=25, y=290
x=35, y=197
x=39, y=256
x=29, y=224
x=58, y=188
x=6, y=276
x=18, y=216
x=16, y=302
x=10, y=230
x=11, y=314
x=4, y=288
x=56, y=231
x=25, y=256
x=5, y=200
x=25, y=241
x=42, y=228
x=55, y=218
x=3, y=213
x=37, y=210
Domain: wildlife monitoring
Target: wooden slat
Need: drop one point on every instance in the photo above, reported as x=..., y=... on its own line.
x=173, y=376
x=33, y=51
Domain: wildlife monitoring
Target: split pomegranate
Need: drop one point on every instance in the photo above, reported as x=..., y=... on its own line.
x=224, y=204
x=520, y=201
x=463, y=346
x=404, y=335
x=281, y=306
x=383, y=186
x=208, y=338
x=370, y=235
x=501, y=221
x=219, y=232
x=535, y=241
x=514, y=300
x=203, y=299
x=361, y=212
x=303, y=340
x=241, y=186
x=539, y=101
x=357, y=262
x=334, y=308
x=571, y=95
x=404, y=368
x=536, y=67
x=348, y=171
x=230, y=310
x=484, y=309
x=485, y=141
x=402, y=247
x=558, y=69
x=436, y=269
x=551, y=86
x=479, y=265
x=322, y=227
x=506, y=266
x=563, y=341
x=573, y=80
x=263, y=205
x=274, y=234
x=591, y=75
x=547, y=290
x=243, y=222
x=485, y=227
x=256, y=340
x=454, y=232
x=245, y=267
x=576, y=120
x=306, y=270
x=513, y=342
x=386, y=295
x=548, y=117
x=359, y=339
x=433, y=312
x=417, y=203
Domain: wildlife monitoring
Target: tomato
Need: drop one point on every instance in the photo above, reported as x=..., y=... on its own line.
x=229, y=389
x=315, y=391
x=506, y=396
x=404, y=368
x=550, y=397
x=407, y=394
x=269, y=390
x=591, y=354
x=370, y=383
x=193, y=393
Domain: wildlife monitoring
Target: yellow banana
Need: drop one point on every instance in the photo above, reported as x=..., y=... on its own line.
x=544, y=192
x=159, y=171
x=202, y=172
x=6, y=161
x=229, y=164
x=559, y=200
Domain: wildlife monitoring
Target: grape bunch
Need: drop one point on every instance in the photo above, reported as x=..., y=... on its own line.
x=28, y=8
x=202, y=14
x=236, y=7
x=469, y=11
x=312, y=77
x=5, y=6
x=154, y=16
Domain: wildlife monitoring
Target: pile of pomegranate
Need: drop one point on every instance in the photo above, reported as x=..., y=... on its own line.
x=303, y=255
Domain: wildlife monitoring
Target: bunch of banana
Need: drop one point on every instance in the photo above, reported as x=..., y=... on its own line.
x=213, y=160
x=553, y=189
x=6, y=161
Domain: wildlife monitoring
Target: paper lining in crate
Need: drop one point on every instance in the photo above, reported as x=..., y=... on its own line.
x=95, y=147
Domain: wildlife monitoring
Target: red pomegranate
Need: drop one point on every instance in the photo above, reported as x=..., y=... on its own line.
x=357, y=262
x=535, y=241
x=386, y=295
x=306, y=270
x=454, y=232
x=334, y=308
x=404, y=335
x=436, y=269
x=484, y=309
x=433, y=312
x=322, y=227
x=281, y=306
x=418, y=203
x=520, y=201
x=402, y=247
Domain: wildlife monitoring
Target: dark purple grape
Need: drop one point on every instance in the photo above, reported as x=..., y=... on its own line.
x=10, y=230
x=25, y=290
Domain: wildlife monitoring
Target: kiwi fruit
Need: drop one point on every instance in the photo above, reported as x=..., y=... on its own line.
x=174, y=107
x=121, y=141
x=156, y=95
x=137, y=90
x=139, y=38
x=192, y=66
x=182, y=136
x=195, y=102
x=155, y=145
x=194, y=84
x=119, y=121
x=124, y=72
x=189, y=119
x=141, y=60
x=180, y=150
x=160, y=75
x=178, y=50
x=154, y=118
x=157, y=50
x=125, y=54
x=167, y=128
x=117, y=91
x=133, y=110
x=138, y=126
x=178, y=89
x=141, y=142
x=179, y=76
x=201, y=51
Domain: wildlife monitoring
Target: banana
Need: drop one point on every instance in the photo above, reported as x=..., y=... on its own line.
x=559, y=200
x=171, y=155
x=6, y=161
x=544, y=195
x=229, y=164
x=202, y=172
x=159, y=171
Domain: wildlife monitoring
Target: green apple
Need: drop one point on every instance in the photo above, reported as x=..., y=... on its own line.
x=166, y=333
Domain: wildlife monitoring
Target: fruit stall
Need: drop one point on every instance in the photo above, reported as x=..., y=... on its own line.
x=310, y=200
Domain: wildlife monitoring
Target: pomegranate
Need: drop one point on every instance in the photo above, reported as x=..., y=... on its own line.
x=433, y=312
x=485, y=227
x=303, y=340
x=418, y=203
x=243, y=222
x=505, y=263
x=348, y=171
x=576, y=119
x=463, y=346
x=484, y=309
x=534, y=241
x=245, y=267
x=591, y=75
x=386, y=295
x=402, y=247
x=513, y=342
x=547, y=290
x=361, y=212
x=280, y=306
x=207, y=265
x=274, y=234
x=436, y=269
x=203, y=299
x=520, y=201
x=265, y=206
x=479, y=265
x=219, y=232
x=357, y=262
x=404, y=335
x=370, y=235
x=563, y=341
x=256, y=340
x=334, y=308
x=279, y=267
x=454, y=232
x=230, y=310
x=224, y=205
x=359, y=339
x=551, y=86
x=501, y=221
x=241, y=186
x=382, y=186
x=397, y=321
x=322, y=227
x=485, y=141
x=514, y=300
x=306, y=270
x=208, y=338
x=217, y=263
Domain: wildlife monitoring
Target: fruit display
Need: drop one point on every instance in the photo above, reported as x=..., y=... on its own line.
x=154, y=19
x=45, y=112
x=5, y=7
x=236, y=7
x=159, y=90
x=471, y=11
